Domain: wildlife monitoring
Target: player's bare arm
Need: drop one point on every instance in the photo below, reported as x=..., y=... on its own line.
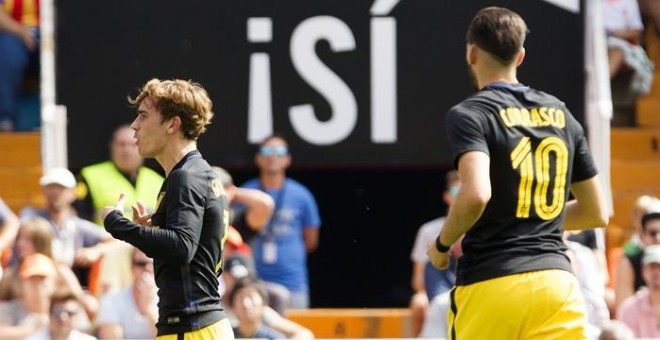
x=588, y=209
x=471, y=200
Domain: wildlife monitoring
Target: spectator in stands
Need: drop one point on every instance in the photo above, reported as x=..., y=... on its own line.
x=247, y=302
x=255, y=209
x=8, y=230
x=639, y=311
x=239, y=266
x=76, y=242
x=643, y=205
x=19, y=51
x=131, y=313
x=593, y=239
x=64, y=315
x=587, y=269
x=100, y=184
x=629, y=272
x=255, y=206
x=281, y=249
x=34, y=237
x=22, y=317
x=427, y=281
x=623, y=26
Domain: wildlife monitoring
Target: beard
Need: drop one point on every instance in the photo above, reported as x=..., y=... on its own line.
x=473, y=78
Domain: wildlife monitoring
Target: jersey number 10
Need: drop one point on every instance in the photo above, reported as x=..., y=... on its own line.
x=534, y=167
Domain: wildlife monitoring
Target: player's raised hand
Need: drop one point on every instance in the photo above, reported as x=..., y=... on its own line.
x=119, y=206
x=140, y=214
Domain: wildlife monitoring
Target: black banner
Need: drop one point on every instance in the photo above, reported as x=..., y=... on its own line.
x=351, y=83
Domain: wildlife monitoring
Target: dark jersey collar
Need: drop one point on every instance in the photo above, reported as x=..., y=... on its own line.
x=189, y=156
x=506, y=86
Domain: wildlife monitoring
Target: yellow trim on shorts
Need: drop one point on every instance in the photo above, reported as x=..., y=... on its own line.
x=219, y=330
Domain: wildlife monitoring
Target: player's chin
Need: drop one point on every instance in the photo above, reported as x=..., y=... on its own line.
x=145, y=153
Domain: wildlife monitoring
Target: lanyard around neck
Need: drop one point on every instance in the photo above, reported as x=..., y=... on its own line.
x=269, y=231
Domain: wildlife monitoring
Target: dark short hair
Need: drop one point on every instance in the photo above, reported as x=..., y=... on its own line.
x=273, y=136
x=498, y=31
x=649, y=217
x=247, y=282
x=63, y=296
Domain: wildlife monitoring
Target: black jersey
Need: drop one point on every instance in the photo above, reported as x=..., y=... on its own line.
x=189, y=228
x=536, y=149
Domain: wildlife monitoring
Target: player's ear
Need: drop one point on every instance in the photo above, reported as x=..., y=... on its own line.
x=520, y=57
x=471, y=54
x=287, y=160
x=174, y=124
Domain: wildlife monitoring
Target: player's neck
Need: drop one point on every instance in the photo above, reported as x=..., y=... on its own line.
x=174, y=152
x=272, y=180
x=59, y=216
x=488, y=77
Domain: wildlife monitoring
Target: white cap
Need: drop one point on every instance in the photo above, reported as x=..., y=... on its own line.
x=59, y=176
x=651, y=254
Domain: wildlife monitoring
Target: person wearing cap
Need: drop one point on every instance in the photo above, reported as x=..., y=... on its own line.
x=28, y=314
x=35, y=237
x=641, y=312
x=76, y=242
x=131, y=313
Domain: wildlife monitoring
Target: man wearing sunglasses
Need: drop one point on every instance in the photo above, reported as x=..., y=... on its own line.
x=65, y=312
x=281, y=249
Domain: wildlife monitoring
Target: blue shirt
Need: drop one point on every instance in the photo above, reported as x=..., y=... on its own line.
x=295, y=209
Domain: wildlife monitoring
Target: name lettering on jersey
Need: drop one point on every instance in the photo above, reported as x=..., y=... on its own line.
x=534, y=117
x=160, y=199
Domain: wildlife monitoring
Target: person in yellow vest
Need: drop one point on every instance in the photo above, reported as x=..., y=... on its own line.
x=100, y=184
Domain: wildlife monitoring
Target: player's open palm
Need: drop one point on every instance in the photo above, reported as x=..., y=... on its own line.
x=110, y=208
x=140, y=214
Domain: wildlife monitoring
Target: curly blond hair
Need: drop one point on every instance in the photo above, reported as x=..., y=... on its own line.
x=186, y=99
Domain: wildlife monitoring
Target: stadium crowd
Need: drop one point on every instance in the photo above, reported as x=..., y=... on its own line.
x=53, y=279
